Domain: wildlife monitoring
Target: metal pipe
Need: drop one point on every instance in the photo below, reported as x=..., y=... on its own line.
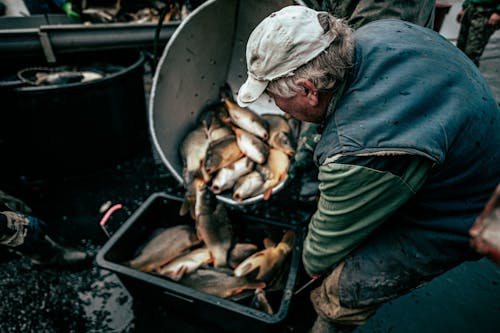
x=70, y=38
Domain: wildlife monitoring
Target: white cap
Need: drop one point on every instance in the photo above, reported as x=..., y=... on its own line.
x=281, y=43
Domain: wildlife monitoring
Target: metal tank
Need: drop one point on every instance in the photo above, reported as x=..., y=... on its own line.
x=205, y=52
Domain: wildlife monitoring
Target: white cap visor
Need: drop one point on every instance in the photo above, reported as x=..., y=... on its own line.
x=251, y=91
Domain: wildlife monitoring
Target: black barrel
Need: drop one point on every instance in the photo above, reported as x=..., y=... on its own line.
x=76, y=127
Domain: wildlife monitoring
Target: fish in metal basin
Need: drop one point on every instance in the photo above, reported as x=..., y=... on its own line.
x=218, y=283
x=280, y=134
x=267, y=262
x=213, y=225
x=213, y=119
x=228, y=176
x=193, y=150
x=187, y=263
x=221, y=153
x=164, y=247
x=250, y=145
x=275, y=170
x=246, y=119
x=248, y=185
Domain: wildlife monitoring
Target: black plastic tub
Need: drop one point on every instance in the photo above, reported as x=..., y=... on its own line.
x=162, y=210
x=74, y=127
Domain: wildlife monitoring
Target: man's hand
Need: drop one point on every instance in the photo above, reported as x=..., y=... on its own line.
x=494, y=20
x=485, y=233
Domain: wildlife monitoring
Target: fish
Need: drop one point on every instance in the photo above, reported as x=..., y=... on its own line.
x=164, y=247
x=212, y=119
x=280, y=134
x=251, y=146
x=189, y=203
x=246, y=119
x=218, y=283
x=227, y=176
x=267, y=262
x=260, y=302
x=240, y=252
x=247, y=185
x=187, y=263
x=193, y=150
x=221, y=153
x=213, y=225
x=275, y=170
x=65, y=77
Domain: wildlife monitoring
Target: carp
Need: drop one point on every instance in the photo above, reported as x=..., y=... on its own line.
x=228, y=176
x=193, y=151
x=213, y=225
x=246, y=119
x=247, y=185
x=214, y=121
x=267, y=262
x=164, y=247
x=250, y=145
x=187, y=263
x=240, y=252
x=275, y=170
x=218, y=283
x=280, y=134
x=221, y=153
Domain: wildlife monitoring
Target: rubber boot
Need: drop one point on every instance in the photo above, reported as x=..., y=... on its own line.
x=30, y=239
x=47, y=252
x=322, y=325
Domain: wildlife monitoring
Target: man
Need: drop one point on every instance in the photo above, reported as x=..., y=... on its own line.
x=360, y=12
x=408, y=155
x=356, y=13
x=26, y=235
x=478, y=21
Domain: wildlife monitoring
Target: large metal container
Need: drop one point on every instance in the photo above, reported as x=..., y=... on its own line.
x=206, y=52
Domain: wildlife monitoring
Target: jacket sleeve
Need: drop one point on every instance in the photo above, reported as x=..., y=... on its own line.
x=354, y=201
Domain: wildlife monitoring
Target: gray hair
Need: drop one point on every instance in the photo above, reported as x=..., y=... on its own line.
x=327, y=68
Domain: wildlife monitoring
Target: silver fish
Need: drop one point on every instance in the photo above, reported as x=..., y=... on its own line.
x=164, y=247
x=250, y=145
x=275, y=170
x=280, y=134
x=247, y=119
x=247, y=186
x=187, y=263
x=218, y=283
x=193, y=151
x=227, y=176
x=213, y=225
x=221, y=153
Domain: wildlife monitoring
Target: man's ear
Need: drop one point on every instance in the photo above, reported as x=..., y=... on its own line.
x=310, y=92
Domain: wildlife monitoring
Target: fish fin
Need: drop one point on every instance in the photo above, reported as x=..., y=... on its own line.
x=268, y=242
x=248, y=265
x=177, y=275
x=267, y=194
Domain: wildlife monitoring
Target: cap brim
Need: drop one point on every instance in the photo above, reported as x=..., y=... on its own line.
x=250, y=91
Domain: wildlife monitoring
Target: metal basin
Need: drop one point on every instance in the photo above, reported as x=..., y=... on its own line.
x=206, y=52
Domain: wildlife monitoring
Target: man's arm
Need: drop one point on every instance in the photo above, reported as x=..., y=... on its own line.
x=357, y=195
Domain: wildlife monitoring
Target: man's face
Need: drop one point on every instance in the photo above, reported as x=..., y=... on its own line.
x=300, y=107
